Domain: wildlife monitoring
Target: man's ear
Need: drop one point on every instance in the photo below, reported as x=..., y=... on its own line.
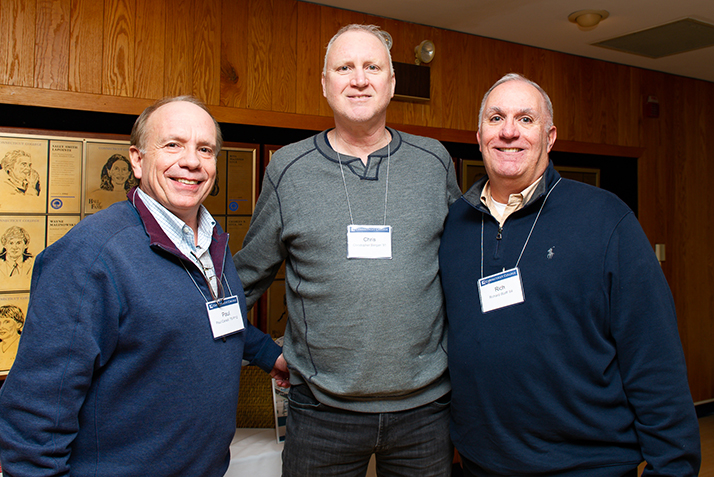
x=552, y=135
x=135, y=158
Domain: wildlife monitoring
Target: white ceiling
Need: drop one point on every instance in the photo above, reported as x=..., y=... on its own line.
x=544, y=24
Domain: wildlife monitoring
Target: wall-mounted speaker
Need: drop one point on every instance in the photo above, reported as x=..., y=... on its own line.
x=413, y=82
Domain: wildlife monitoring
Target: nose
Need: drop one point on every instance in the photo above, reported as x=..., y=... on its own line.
x=509, y=129
x=190, y=159
x=359, y=78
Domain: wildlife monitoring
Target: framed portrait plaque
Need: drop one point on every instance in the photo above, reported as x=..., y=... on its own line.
x=13, y=310
x=21, y=239
x=108, y=174
x=23, y=175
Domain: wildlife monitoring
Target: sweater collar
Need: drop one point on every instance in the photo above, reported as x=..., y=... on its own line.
x=158, y=238
x=473, y=195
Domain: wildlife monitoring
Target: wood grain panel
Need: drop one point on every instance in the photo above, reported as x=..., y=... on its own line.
x=52, y=44
x=309, y=58
x=330, y=23
x=85, y=48
x=206, y=50
x=118, y=57
x=283, y=57
x=149, y=49
x=539, y=66
x=450, y=50
x=565, y=96
x=234, y=60
x=17, y=42
x=178, y=57
x=395, y=111
x=465, y=91
x=628, y=104
x=697, y=283
x=260, y=31
x=703, y=328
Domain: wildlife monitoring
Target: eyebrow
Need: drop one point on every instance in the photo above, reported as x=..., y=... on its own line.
x=520, y=112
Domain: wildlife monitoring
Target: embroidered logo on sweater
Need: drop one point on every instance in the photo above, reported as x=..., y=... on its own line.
x=550, y=253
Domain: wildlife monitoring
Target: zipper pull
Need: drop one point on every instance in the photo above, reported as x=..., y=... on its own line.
x=499, y=235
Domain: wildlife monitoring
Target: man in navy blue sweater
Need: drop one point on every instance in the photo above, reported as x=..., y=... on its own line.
x=564, y=352
x=130, y=357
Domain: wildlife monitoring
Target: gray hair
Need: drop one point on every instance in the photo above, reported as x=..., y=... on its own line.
x=371, y=29
x=138, y=132
x=518, y=77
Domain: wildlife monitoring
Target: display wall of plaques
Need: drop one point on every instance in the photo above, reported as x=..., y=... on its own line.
x=50, y=183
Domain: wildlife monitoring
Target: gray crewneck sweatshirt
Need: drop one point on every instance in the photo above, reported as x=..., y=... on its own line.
x=366, y=335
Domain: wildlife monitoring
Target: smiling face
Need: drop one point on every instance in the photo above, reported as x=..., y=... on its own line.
x=515, y=137
x=119, y=173
x=358, y=82
x=15, y=246
x=178, y=167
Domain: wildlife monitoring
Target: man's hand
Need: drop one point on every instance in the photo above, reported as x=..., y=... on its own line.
x=280, y=372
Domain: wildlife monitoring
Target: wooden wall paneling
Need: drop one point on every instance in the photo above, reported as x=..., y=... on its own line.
x=52, y=44
x=7, y=38
x=655, y=172
x=629, y=107
x=539, y=66
x=178, y=58
x=283, y=56
x=309, y=59
x=118, y=57
x=584, y=127
x=260, y=32
x=467, y=95
x=565, y=94
x=451, y=52
x=688, y=286
x=605, y=122
x=395, y=111
x=85, y=48
x=150, y=49
x=206, y=50
x=234, y=60
x=698, y=328
x=330, y=22
x=17, y=42
x=482, y=76
x=705, y=329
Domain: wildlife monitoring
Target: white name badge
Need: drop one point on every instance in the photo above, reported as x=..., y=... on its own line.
x=369, y=241
x=501, y=290
x=225, y=316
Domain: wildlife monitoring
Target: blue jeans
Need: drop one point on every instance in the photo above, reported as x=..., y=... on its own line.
x=324, y=441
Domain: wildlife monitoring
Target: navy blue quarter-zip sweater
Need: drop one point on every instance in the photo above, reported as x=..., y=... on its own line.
x=586, y=376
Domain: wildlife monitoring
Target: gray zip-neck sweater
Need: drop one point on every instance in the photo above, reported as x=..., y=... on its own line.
x=366, y=335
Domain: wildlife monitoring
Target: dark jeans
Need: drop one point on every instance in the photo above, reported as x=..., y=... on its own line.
x=471, y=469
x=323, y=441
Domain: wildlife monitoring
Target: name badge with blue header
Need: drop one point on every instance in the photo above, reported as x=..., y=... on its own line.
x=501, y=290
x=369, y=241
x=225, y=316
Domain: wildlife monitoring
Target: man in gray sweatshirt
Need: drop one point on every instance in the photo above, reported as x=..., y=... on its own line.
x=357, y=214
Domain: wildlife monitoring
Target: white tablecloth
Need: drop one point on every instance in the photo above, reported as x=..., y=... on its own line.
x=256, y=453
